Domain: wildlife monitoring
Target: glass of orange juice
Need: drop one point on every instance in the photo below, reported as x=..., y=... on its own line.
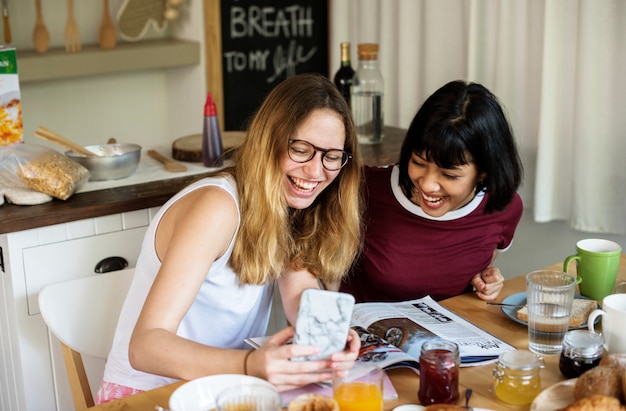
x=361, y=389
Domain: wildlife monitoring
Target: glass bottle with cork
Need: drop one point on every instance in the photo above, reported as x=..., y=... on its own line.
x=367, y=96
x=343, y=76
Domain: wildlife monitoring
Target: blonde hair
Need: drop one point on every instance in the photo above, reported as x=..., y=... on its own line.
x=324, y=238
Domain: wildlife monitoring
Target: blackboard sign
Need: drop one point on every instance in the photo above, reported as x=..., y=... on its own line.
x=262, y=43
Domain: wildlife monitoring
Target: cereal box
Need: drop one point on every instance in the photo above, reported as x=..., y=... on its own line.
x=11, y=128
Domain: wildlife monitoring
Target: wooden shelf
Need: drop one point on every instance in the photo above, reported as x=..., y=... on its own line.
x=56, y=63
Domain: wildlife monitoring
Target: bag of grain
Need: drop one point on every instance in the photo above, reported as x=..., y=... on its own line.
x=42, y=169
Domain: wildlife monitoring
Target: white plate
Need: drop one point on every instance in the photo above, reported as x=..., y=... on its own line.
x=200, y=394
x=555, y=397
x=520, y=299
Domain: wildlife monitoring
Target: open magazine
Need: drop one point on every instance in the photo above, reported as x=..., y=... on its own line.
x=392, y=334
x=401, y=329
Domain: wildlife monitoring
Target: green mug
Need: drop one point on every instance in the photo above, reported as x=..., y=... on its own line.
x=597, y=261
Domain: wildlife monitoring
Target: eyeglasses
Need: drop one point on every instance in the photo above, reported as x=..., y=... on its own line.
x=302, y=151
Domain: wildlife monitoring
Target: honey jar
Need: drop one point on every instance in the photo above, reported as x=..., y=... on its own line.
x=516, y=378
x=582, y=350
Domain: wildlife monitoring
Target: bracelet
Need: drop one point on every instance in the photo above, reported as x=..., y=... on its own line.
x=245, y=361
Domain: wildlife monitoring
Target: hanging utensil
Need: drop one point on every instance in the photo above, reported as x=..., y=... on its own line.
x=72, y=35
x=106, y=35
x=5, y=19
x=41, y=36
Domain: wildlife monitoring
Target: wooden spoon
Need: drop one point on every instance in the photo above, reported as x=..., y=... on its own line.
x=57, y=139
x=41, y=36
x=106, y=36
x=170, y=165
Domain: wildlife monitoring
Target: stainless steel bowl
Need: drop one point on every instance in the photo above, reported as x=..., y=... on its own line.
x=111, y=162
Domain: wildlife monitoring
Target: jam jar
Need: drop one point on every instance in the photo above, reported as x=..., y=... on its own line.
x=439, y=372
x=582, y=350
x=516, y=378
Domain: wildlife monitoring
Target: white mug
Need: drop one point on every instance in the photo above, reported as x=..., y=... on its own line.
x=613, y=322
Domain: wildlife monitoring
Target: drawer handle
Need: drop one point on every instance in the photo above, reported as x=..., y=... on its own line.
x=111, y=264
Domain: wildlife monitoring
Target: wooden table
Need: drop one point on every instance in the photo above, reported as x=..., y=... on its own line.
x=406, y=381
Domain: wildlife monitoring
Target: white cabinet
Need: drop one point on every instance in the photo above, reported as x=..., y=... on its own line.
x=30, y=260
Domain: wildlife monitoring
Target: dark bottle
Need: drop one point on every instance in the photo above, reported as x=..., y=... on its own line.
x=212, y=149
x=343, y=76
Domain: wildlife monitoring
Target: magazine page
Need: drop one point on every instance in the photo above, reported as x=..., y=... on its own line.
x=408, y=324
x=374, y=349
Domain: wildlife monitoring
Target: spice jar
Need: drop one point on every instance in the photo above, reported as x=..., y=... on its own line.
x=439, y=372
x=516, y=378
x=582, y=350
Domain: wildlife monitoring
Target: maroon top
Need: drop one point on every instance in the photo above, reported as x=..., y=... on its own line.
x=409, y=254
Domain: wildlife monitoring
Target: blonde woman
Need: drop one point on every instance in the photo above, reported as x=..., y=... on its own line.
x=287, y=214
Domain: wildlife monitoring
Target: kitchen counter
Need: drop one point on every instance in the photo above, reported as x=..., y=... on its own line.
x=91, y=204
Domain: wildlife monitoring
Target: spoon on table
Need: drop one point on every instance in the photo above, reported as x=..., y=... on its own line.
x=468, y=395
x=170, y=165
x=505, y=305
x=41, y=36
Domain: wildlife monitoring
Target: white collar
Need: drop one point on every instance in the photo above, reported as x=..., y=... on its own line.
x=417, y=210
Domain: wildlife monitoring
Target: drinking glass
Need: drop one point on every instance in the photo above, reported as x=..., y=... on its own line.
x=620, y=288
x=550, y=296
x=361, y=389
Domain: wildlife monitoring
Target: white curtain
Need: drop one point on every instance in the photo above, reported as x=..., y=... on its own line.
x=558, y=67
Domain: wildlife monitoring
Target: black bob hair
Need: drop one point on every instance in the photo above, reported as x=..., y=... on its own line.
x=462, y=123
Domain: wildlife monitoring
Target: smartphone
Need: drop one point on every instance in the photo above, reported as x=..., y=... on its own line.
x=323, y=320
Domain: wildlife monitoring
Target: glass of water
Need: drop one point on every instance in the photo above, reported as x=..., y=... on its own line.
x=550, y=296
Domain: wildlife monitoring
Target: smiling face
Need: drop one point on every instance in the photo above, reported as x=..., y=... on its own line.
x=305, y=181
x=441, y=190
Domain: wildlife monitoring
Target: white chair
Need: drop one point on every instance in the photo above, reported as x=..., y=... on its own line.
x=83, y=314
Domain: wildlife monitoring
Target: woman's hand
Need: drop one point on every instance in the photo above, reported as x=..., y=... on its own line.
x=488, y=284
x=273, y=361
x=343, y=361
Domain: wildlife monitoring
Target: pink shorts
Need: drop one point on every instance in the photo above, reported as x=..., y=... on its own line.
x=110, y=392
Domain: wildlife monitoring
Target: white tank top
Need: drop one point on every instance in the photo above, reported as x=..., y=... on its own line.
x=223, y=314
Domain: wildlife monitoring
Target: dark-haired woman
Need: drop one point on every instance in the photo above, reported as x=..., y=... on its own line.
x=436, y=220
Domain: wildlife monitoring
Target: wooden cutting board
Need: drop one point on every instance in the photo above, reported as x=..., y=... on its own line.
x=189, y=148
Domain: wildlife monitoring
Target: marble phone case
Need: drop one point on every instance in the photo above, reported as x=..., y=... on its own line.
x=323, y=320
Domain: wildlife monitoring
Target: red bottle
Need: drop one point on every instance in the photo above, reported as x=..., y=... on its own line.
x=212, y=149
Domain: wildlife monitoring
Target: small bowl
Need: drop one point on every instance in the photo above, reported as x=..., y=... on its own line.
x=111, y=162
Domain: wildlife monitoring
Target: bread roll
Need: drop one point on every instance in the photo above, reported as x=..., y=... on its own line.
x=312, y=402
x=595, y=403
x=615, y=360
x=600, y=380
